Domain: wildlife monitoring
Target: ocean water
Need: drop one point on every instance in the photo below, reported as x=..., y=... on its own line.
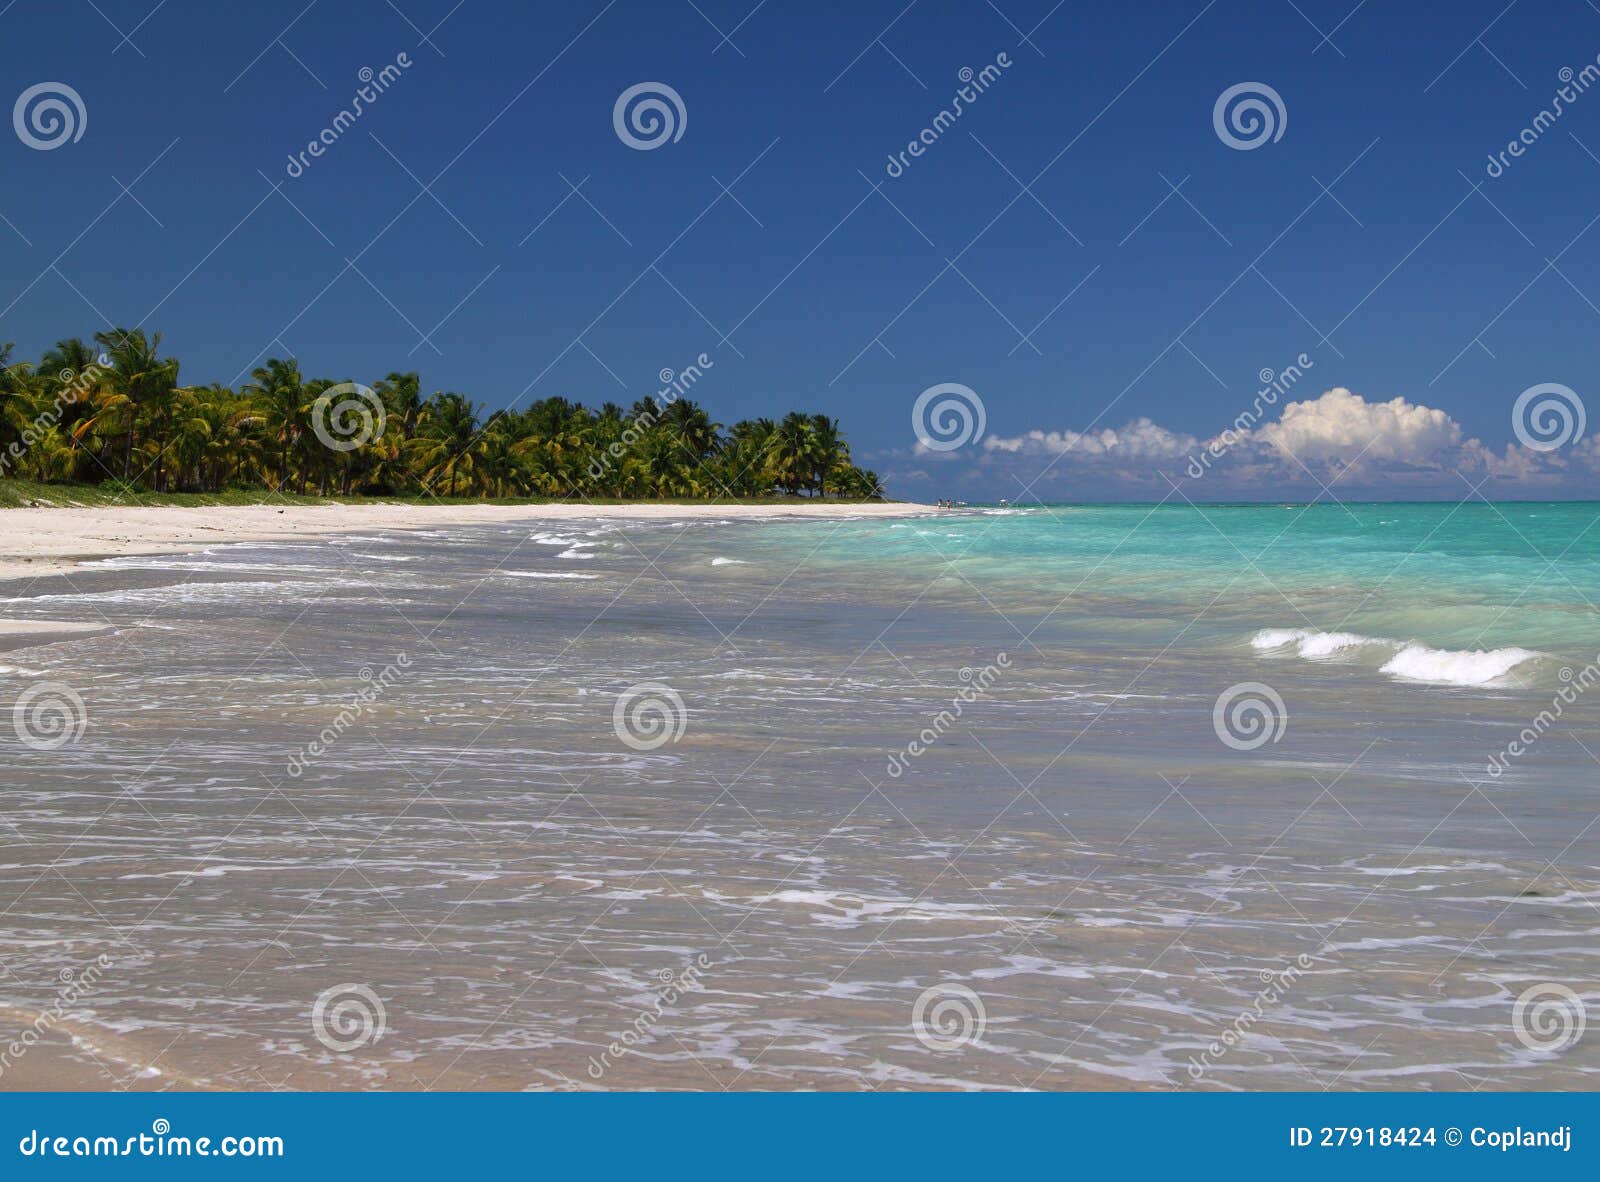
x=1060, y=797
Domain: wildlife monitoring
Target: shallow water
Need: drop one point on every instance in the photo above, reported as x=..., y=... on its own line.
x=394, y=761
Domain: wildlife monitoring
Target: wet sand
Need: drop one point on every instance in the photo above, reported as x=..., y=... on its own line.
x=1081, y=886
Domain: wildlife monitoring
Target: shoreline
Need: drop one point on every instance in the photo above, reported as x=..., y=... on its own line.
x=50, y=540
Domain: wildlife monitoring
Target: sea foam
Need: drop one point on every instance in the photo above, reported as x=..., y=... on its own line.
x=1407, y=660
x=543, y=574
x=1313, y=644
x=1417, y=662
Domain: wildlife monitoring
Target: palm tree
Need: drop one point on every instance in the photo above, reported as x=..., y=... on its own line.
x=860, y=484
x=692, y=426
x=502, y=470
x=196, y=420
x=553, y=463
x=89, y=400
x=70, y=355
x=14, y=392
x=72, y=373
x=792, y=452
x=744, y=465
x=141, y=385
x=447, y=429
x=832, y=453
x=280, y=395
x=402, y=401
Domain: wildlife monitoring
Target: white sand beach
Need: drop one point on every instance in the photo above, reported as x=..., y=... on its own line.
x=47, y=540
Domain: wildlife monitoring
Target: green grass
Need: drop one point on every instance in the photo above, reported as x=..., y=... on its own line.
x=16, y=494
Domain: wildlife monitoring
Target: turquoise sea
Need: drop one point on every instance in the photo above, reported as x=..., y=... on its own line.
x=1464, y=578
x=1056, y=797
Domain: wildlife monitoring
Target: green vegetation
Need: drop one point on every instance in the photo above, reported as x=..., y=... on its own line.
x=109, y=422
x=23, y=494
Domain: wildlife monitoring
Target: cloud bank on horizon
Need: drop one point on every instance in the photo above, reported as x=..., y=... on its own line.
x=1337, y=444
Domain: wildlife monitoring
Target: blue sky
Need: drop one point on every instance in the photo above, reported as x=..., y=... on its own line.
x=1096, y=299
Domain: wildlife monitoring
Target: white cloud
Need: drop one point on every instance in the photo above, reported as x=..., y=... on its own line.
x=1140, y=439
x=1345, y=427
x=1338, y=439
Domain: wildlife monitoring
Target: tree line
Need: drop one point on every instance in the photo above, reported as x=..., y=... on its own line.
x=112, y=410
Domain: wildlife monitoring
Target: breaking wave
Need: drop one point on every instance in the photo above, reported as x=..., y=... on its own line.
x=1402, y=659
